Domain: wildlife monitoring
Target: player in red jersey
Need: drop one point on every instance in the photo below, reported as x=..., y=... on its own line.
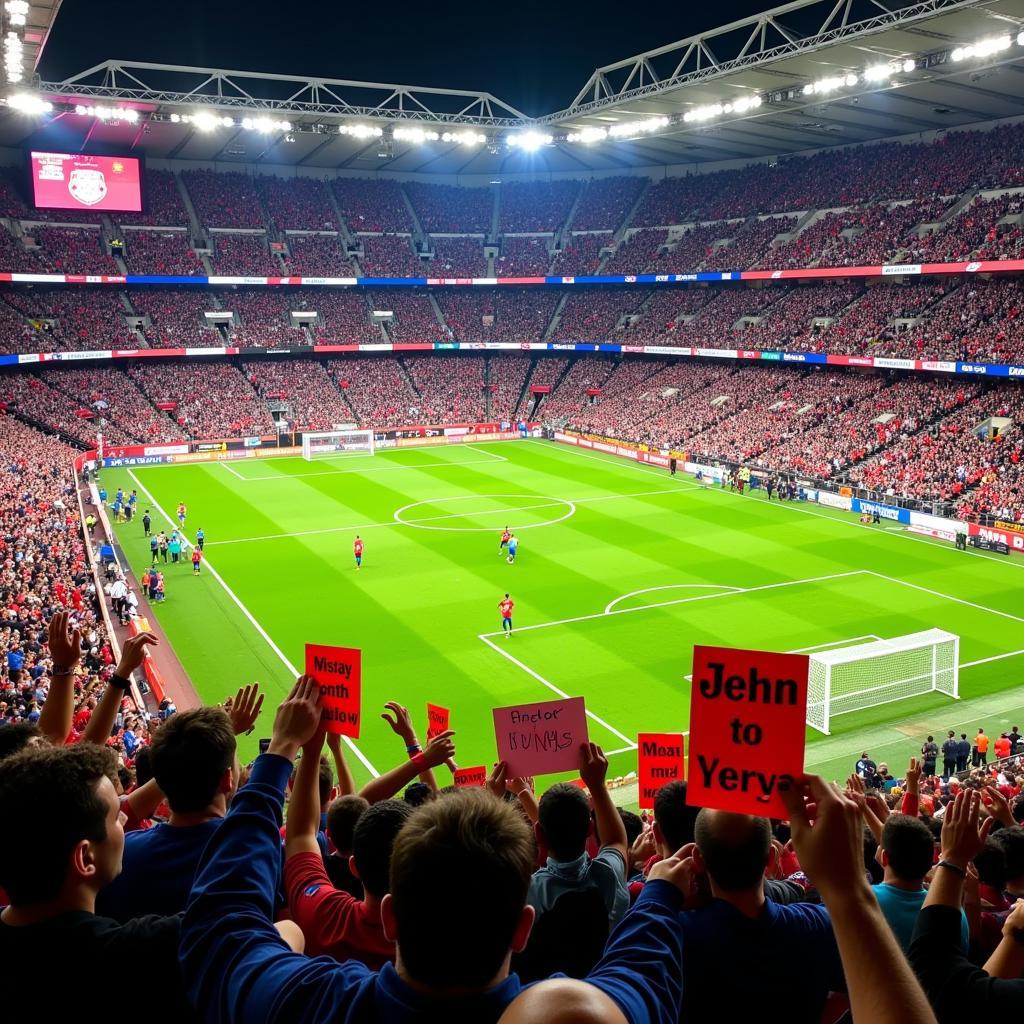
x=506, y=607
x=506, y=533
x=357, y=550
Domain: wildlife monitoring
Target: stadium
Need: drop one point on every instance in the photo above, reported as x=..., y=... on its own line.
x=523, y=441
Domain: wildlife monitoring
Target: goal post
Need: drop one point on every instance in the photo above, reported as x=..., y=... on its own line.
x=330, y=444
x=865, y=675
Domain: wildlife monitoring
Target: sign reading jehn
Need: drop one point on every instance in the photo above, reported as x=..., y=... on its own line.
x=748, y=711
x=338, y=672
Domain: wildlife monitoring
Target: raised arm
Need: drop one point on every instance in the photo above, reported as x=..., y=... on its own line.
x=65, y=653
x=881, y=986
x=385, y=786
x=593, y=771
x=236, y=966
x=304, y=802
x=141, y=803
x=400, y=721
x=101, y=721
x=346, y=784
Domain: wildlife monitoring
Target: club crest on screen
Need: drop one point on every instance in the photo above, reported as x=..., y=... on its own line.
x=87, y=186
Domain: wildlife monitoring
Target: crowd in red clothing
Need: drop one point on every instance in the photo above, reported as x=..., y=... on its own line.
x=530, y=206
x=605, y=202
x=313, y=400
x=224, y=199
x=318, y=256
x=297, y=204
x=165, y=253
x=244, y=256
x=526, y=256
x=390, y=256
x=457, y=256
x=446, y=209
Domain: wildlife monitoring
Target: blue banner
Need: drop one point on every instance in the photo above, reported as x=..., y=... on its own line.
x=891, y=512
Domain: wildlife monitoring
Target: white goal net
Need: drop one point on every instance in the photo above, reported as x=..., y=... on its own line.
x=330, y=444
x=850, y=678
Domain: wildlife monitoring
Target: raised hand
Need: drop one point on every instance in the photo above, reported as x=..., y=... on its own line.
x=593, y=766
x=679, y=871
x=65, y=644
x=643, y=849
x=244, y=708
x=998, y=806
x=297, y=718
x=440, y=749
x=401, y=723
x=133, y=653
x=828, y=837
x=914, y=770
x=497, y=782
x=962, y=836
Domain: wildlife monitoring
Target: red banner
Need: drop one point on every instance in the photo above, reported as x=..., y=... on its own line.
x=748, y=712
x=659, y=760
x=1011, y=538
x=338, y=671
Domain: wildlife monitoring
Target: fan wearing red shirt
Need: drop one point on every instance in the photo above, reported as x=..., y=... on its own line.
x=506, y=607
x=1002, y=746
x=333, y=921
x=357, y=550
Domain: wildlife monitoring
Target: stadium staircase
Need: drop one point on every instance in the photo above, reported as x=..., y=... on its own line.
x=495, y=217
x=195, y=228
x=419, y=236
x=563, y=236
x=620, y=231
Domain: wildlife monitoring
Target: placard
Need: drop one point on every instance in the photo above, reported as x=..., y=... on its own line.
x=470, y=776
x=539, y=738
x=338, y=672
x=748, y=712
x=659, y=760
x=437, y=720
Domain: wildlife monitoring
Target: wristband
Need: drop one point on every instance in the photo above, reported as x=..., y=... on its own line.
x=419, y=762
x=955, y=868
x=62, y=670
x=120, y=682
x=414, y=749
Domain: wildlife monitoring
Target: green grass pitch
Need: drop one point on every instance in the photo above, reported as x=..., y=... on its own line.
x=621, y=570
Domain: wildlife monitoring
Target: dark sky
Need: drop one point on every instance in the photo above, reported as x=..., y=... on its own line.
x=534, y=55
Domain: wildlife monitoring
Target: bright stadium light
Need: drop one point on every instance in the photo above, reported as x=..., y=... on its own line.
x=265, y=125
x=203, y=121
x=26, y=103
x=531, y=141
x=645, y=127
x=108, y=113
x=361, y=131
x=413, y=133
x=879, y=72
x=908, y=66
x=465, y=138
x=588, y=135
x=17, y=12
x=982, y=48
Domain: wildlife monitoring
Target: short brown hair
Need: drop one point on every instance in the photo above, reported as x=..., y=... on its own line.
x=49, y=804
x=476, y=855
x=190, y=754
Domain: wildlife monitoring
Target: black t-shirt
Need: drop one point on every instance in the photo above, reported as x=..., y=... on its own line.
x=929, y=752
x=102, y=948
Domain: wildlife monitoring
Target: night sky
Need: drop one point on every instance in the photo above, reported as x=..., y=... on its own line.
x=534, y=55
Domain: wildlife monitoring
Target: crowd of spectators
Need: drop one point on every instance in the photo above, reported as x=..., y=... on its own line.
x=515, y=315
x=414, y=317
x=451, y=209
x=176, y=317
x=605, y=202
x=263, y=317
x=297, y=204
x=74, y=251
x=75, y=318
x=450, y=389
x=225, y=199
x=318, y=256
x=166, y=253
x=506, y=377
x=372, y=204
x=344, y=316
x=531, y=206
x=244, y=256
x=593, y=315
x=523, y=256
x=313, y=398
x=391, y=256
x=15, y=255
x=378, y=389
x=751, y=241
x=581, y=255
x=163, y=202
x=664, y=311
x=457, y=256
x=641, y=252
x=211, y=399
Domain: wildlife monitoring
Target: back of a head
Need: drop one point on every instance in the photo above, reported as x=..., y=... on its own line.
x=908, y=846
x=991, y=864
x=1012, y=842
x=675, y=819
x=564, y=817
x=633, y=825
x=562, y=1001
x=15, y=738
x=325, y=781
x=373, y=840
x=342, y=816
x=190, y=754
x=478, y=852
x=734, y=848
x=49, y=802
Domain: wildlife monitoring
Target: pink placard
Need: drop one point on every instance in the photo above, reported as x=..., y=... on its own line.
x=540, y=738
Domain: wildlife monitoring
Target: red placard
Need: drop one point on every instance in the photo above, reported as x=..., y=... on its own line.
x=539, y=738
x=437, y=720
x=659, y=760
x=748, y=711
x=339, y=672
x=470, y=776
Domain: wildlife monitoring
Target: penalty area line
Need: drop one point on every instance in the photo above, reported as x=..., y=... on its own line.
x=252, y=619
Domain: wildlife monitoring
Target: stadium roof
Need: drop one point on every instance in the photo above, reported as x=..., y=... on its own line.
x=770, y=59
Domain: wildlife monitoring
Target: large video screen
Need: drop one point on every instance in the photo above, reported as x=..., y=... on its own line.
x=64, y=181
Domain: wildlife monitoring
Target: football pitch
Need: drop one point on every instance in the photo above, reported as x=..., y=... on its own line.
x=621, y=570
